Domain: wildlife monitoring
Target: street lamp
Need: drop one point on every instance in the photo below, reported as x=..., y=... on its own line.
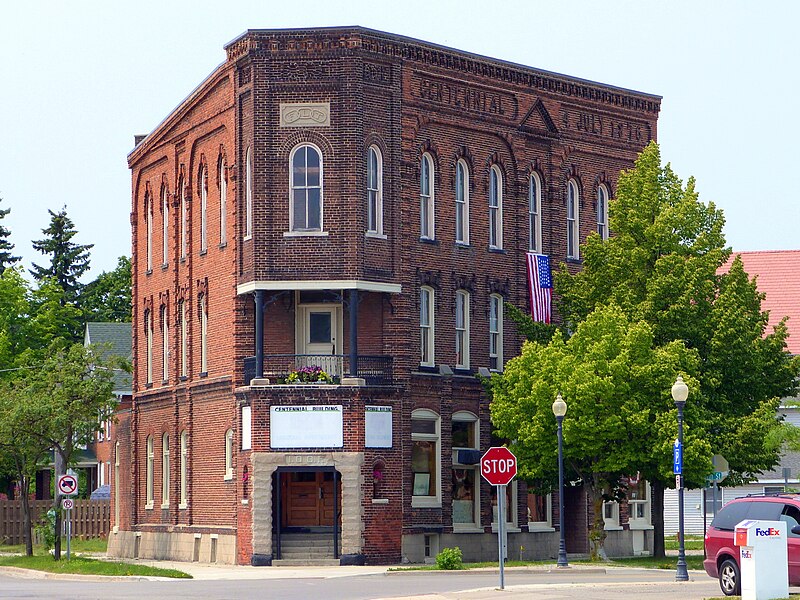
x=559, y=410
x=680, y=391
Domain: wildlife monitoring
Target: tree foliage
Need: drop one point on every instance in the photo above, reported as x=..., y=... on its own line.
x=108, y=298
x=7, y=259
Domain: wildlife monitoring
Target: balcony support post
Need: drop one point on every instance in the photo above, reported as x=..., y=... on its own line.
x=353, y=306
x=259, y=334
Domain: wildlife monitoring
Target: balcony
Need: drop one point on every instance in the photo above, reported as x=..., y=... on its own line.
x=375, y=370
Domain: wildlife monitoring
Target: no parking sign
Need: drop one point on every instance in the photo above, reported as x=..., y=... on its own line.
x=68, y=485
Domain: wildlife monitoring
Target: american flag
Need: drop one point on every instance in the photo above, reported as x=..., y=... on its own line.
x=540, y=286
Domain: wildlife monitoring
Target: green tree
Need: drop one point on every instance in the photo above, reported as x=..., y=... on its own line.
x=69, y=261
x=6, y=247
x=108, y=298
x=14, y=318
x=617, y=387
x=660, y=267
x=63, y=399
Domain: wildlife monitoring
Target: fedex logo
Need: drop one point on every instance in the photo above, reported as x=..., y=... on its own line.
x=746, y=554
x=769, y=532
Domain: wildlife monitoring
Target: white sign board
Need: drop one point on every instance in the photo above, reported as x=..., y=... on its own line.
x=68, y=485
x=378, y=426
x=316, y=426
x=67, y=503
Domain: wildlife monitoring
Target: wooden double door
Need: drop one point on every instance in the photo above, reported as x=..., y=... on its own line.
x=308, y=499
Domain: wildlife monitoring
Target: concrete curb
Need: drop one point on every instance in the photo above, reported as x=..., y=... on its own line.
x=21, y=573
x=485, y=570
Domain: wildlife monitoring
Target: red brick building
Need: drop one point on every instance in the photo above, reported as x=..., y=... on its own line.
x=362, y=203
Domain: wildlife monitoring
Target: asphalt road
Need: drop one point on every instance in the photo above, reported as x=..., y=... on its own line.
x=648, y=584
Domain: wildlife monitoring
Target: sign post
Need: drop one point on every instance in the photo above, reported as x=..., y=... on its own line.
x=720, y=466
x=499, y=467
x=68, y=486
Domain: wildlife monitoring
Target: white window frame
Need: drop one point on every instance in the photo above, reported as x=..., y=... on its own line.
x=148, y=217
x=184, y=219
x=374, y=191
x=547, y=524
x=611, y=516
x=247, y=428
x=223, y=203
x=573, y=219
x=148, y=332
x=462, y=329
x=496, y=332
x=203, y=333
x=535, y=213
x=513, y=500
x=462, y=203
x=495, y=208
x=468, y=417
x=164, y=226
x=149, y=473
x=248, y=203
x=184, y=338
x=602, y=211
x=228, y=455
x=164, y=344
x=184, y=469
x=203, y=208
x=427, y=198
x=428, y=415
x=165, y=471
x=634, y=522
x=294, y=228
x=427, y=298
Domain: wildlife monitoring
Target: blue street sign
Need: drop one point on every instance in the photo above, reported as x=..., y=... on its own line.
x=677, y=458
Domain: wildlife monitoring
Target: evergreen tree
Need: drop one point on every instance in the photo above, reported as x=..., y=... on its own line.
x=108, y=298
x=6, y=247
x=68, y=260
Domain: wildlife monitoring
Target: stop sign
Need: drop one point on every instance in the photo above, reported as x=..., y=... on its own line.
x=498, y=465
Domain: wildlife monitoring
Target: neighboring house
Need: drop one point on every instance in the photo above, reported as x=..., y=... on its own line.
x=778, y=277
x=362, y=203
x=96, y=458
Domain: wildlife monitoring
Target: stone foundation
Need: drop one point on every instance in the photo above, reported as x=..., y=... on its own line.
x=181, y=546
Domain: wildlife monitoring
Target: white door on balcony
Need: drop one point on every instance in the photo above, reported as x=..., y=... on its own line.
x=319, y=336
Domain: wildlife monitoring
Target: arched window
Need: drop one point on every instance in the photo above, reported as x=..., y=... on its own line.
x=496, y=332
x=462, y=329
x=573, y=219
x=495, y=208
x=164, y=344
x=462, y=202
x=374, y=191
x=426, y=198
x=148, y=333
x=248, y=191
x=148, y=217
x=426, y=330
x=203, y=333
x=534, y=213
x=306, y=189
x=149, y=472
x=602, y=212
x=203, y=209
x=465, y=435
x=184, y=218
x=426, y=458
x=164, y=226
x=229, y=454
x=165, y=471
x=223, y=202
x=184, y=468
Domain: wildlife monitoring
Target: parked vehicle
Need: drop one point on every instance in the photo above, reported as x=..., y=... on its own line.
x=722, y=557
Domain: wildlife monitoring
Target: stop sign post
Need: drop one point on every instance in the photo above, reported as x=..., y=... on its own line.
x=499, y=467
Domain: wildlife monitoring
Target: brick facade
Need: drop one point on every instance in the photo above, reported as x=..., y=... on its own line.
x=355, y=88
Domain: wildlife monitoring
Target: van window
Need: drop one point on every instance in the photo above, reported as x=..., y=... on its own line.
x=735, y=512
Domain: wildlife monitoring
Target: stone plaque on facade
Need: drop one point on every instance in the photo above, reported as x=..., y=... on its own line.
x=378, y=426
x=316, y=426
x=305, y=114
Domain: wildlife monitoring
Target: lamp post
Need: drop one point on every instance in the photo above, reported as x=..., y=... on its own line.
x=680, y=391
x=559, y=410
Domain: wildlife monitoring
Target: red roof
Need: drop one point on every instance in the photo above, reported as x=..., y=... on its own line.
x=778, y=273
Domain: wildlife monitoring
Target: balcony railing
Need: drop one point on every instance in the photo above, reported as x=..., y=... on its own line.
x=375, y=370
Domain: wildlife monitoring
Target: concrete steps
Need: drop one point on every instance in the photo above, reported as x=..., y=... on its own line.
x=306, y=562
x=306, y=549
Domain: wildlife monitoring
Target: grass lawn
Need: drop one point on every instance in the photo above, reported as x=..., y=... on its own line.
x=87, y=566
x=648, y=562
x=94, y=545
x=690, y=542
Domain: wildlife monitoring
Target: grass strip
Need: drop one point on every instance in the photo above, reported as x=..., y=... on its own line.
x=88, y=566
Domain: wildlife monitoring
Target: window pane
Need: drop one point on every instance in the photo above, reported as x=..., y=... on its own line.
x=299, y=168
x=464, y=434
x=423, y=426
x=537, y=508
x=314, y=209
x=299, y=209
x=313, y=166
x=463, y=495
x=423, y=466
x=319, y=327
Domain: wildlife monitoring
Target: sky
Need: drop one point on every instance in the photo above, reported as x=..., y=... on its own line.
x=79, y=79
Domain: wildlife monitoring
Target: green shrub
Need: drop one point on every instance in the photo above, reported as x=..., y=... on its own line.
x=449, y=559
x=45, y=530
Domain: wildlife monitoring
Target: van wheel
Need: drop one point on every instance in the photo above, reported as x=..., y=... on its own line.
x=729, y=580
